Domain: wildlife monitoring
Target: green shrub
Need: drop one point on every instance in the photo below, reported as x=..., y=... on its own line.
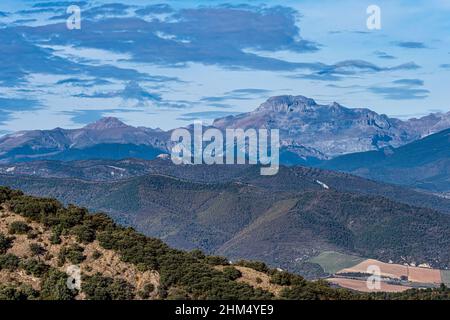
x=133, y=247
x=286, y=279
x=34, y=267
x=54, y=286
x=84, y=233
x=37, y=250
x=8, y=194
x=198, y=254
x=255, y=265
x=9, y=262
x=31, y=234
x=5, y=243
x=38, y=209
x=55, y=238
x=18, y=227
x=231, y=273
x=216, y=261
x=97, y=287
x=73, y=254
x=72, y=216
x=146, y=291
x=177, y=294
x=101, y=222
x=23, y=292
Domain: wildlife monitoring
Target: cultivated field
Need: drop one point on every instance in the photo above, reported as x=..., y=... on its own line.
x=424, y=275
x=331, y=261
x=445, y=275
x=397, y=271
x=361, y=285
x=356, y=268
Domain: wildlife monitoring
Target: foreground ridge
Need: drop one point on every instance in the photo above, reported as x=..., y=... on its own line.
x=117, y=263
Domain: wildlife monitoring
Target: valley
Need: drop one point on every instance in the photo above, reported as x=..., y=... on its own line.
x=352, y=272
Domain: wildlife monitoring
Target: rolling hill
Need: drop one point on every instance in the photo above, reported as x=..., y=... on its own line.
x=288, y=179
x=283, y=220
x=41, y=242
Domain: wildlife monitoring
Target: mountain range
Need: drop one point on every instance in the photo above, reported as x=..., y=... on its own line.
x=308, y=129
x=423, y=164
x=108, y=138
x=283, y=220
x=309, y=132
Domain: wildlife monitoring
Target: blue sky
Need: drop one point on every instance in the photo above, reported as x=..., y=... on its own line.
x=166, y=64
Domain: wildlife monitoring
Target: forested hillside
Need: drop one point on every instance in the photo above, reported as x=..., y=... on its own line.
x=282, y=220
x=39, y=238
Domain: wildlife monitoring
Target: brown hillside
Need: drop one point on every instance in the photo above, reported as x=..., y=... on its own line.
x=108, y=263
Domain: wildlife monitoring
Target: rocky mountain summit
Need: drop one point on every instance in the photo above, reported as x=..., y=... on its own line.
x=308, y=131
x=106, y=123
x=106, y=138
x=325, y=131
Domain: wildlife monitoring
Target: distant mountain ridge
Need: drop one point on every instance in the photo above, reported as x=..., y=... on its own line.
x=106, y=138
x=332, y=130
x=296, y=178
x=424, y=163
x=308, y=132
